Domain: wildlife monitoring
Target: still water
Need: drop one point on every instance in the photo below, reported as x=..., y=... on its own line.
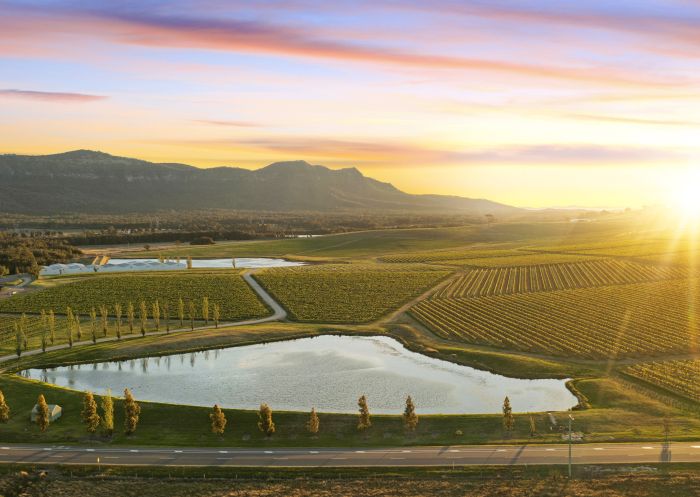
x=327, y=372
x=241, y=262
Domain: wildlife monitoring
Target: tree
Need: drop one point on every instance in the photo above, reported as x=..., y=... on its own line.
x=189, y=262
x=218, y=420
x=104, y=313
x=216, y=314
x=70, y=324
x=4, y=409
x=44, y=330
x=313, y=424
x=131, y=412
x=42, y=418
x=93, y=325
x=508, y=419
x=4, y=271
x=265, y=423
x=181, y=311
x=130, y=316
x=19, y=339
x=78, y=330
x=166, y=315
x=89, y=413
x=143, y=316
x=156, y=314
x=52, y=326
x=23, y=326
x=410, y=418
x=118, y=323
x=107, y=405
x=190, y=312
x=205, y=310
x=364, y=421
x=533, y=426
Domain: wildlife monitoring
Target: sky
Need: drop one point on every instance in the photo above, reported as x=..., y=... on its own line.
x=531, y=103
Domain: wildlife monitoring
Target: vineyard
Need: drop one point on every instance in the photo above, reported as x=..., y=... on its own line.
x=549, y=277
x=345, y=293
x=603, y=322
x=447, y=255
x=680, y=377
x=235, y=298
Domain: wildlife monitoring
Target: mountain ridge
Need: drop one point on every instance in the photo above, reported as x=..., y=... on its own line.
x=96, y=182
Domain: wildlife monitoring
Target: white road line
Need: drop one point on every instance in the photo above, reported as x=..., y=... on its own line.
x=47, y=448
x=598, y=448
x=405, y=451
x=647, y=448
x=359, y=452
x=223, y=452
x=133, y=450
x=89, y=450
x=397, y=458
x=313, y=452
x=178, y=451
x=223, y=458
x=501, y=450
x=695, y=446
x=339, y=458
x=111, y=457
x=269, y=452
x=453, y=450
x=5, y=448
x=550, y=450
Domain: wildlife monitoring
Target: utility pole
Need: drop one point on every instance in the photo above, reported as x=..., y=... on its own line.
x=571, y=418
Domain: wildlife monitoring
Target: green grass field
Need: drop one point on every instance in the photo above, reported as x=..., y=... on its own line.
x=236, y=299
x=345, y=293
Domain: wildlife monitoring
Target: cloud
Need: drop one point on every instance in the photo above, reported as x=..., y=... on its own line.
x=234, y=124
x=50, y=96
x=633, y=120
x=248, y=36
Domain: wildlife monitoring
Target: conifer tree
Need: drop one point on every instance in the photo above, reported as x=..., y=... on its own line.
x=533, y=426
x=265, y=423
x=118, y=322
x=218, y=420
x=166, y=315
x=190, y=312
x=93, y=325
x=181, y=311
x=131, y=412
x=19, y=339
x=104, y=313
x=143, y=316
x=107, y=405
x=156, y=314
x=89, y=413
x=313, y=424
x=70, y=324
x=189, y=262
x=23, y=326
x=44, y=330
x=52, y=326
x=130, y=316
x=42, y=418
x=508, y=419
x=4, y=409
x=410, y=418
x=216, y=314
x=364, y=421
x=205, y=310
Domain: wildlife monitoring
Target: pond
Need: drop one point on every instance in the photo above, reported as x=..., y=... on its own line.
x=326, y=372
x=241, y=262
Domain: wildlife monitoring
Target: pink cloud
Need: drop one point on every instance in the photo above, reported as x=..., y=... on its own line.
x=50, y=96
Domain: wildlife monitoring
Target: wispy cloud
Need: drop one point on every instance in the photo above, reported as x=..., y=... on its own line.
x=50, y=96
x=633, y=120
x=233, y=124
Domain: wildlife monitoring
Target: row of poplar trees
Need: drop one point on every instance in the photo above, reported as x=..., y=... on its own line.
x=98, y=323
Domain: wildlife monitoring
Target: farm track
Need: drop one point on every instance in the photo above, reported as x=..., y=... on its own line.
x=278, y=314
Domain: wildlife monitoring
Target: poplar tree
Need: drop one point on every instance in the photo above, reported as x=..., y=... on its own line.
x=4, y=409
x=189, y=262
x=93, y=325
x=78, y=330
x=166, y=315
x=104, y=312
x=107, y=405
x=52, y=326
x=143, y=316
x=190, y=312
x=70, y=324
x=205, y=310
x=508, y=419
x=118, y=315
x=44, y=330
x=216, y=314
x=42, y=418
x=181, y=311
x=19, y=339
x=410, y=418
x=218, y=420
x=364, y=421
x=130, y=316
x=156, y=314
x=23, y=325
x=265, y=423
x=131, y=412
x=89, y=413
x=533, y=426
x=313, y=424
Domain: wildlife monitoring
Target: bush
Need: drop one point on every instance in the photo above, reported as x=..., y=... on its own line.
x=203, y=240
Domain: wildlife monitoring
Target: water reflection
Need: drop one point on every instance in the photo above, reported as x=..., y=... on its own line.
x=327, y=372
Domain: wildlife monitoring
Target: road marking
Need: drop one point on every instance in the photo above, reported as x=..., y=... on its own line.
x=133, y=450
x=359, y=452
x=339, y=458
x=550, y=450
x=313, y=452
x=269, y=452
x=89, y=450
x=397, y=458
x=598, y=448
x=223, y=458
x=223, y=452
x=178, y=452
x=453, y=450
x=5, y=448
x=501, y=450
x=56, y=455
x=695, y=446
x=46, y=448
x=405, y=451
x=111, y=457
x=647, y=448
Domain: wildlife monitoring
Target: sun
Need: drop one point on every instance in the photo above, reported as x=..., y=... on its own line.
x=685, y=197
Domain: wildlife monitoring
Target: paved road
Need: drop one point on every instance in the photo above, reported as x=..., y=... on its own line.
x=408, y=456
x=278, y=314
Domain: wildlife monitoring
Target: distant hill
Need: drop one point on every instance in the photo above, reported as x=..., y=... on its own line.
x=94, y=182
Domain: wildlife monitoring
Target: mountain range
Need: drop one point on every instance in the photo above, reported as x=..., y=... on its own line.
x=98, y=183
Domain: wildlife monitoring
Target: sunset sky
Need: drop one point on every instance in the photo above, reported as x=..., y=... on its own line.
x=532, y=103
